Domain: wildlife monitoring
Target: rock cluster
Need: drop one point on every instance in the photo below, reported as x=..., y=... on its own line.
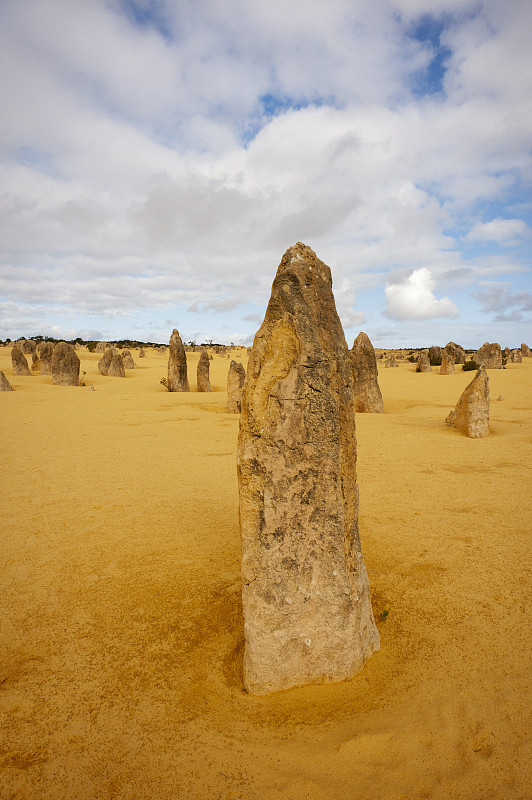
x=447, y=364
x=5, y=386
x=20, y=365
x=390, y=361
x=306, y=600
x=235, y=382
x=456, y=351
x=177, y=365
x=423, y=362
x=490, y=355
x=203, y=376
x=472, y=412
x=65, y=365
x=368, y=397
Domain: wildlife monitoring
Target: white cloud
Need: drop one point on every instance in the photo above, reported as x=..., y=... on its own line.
x=505, y=231
x=412, y=297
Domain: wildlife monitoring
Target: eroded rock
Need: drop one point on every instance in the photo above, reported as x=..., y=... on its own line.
x=472, y=412
x=105, y=361
x=447, y=364
x=391, y=361
x=490, y=355
x=65, y=365
x=423, y=362
x=235, y=382
x=203, y=377
x=127, y=359
x=116, y=367
x=306, y=600
x=44, y=352
x=5, y=386
x=456, y=351
x=20, y=365
x=368, y=397
x=525, y=351
x=177, y=365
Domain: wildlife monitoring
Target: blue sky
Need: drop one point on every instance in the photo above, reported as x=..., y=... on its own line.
x=159, y=156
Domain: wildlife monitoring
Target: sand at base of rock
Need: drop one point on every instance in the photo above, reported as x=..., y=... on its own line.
x=121, y=627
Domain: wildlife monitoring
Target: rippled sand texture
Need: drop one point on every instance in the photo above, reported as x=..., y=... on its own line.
x=121, y=626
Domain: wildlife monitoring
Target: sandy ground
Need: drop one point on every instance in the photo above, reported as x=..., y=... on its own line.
x=121, y=624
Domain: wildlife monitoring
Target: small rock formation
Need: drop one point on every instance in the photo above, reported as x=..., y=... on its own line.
x=306, y=599
x=390, y=361
x=472, y=412
x=203, y=379
x=515, y=357
x=116, y=367
x=447, y=364
x=5, y=386
x=45, y=351
x=127, y=360
x=91, y=387
x=65, y=365
x=20, y=365
x=500, y=397
x=423, y=362
x=490, y=355
x=142, y=354
x=101, y=347
x=456, y=351
x=177, y=365
x=161, y=350
x=450, y=418
x=235, y=382
x=368, y=397
x=525, y=351
x=105, y=361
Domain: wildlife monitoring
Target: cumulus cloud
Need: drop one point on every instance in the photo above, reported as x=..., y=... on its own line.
x=412, y=297
x=498, y=299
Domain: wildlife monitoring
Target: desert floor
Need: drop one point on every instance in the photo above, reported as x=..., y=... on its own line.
x=121, y=622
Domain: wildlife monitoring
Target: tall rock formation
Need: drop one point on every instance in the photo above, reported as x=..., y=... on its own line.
x=423, y=362
x=177, y=365
x=525, y=351
x=65, y=365
x=447, y=364
x=44, y=352
x=203, y=377
x=306, y=599
x=368, y=397
x=127, y=359
x=472, y=412
x=116, y=367
x=490, y=355
x=20, y=365
x=235, y=382
x=105, y=361
x=456, y=351
x=5, y=386
x=514, y=357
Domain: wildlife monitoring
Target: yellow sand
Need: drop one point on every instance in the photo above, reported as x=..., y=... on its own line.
x=121, y=625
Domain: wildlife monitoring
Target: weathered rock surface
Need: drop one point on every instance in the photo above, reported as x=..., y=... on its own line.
x=101, y=347
x=142, y=354
x=20, y=365
x=105, y=361
x=391, y=362
x=35, y=363
x=177, y=365
x=423, y=362
x=490, y=355
x=203, y=377
x=127, y=359
x=44, y=352
x=514, y=357
x=456, y=351
x=65, y=365
x=27, y=346
x=368, y=397
x=235, y=382
x=306, y=600
x=5, y=386
x=116, y=367
x=447, y=364
x=435, y=353
x=525, y=351
x=472, y=412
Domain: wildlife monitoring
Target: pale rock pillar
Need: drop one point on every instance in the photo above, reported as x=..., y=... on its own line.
x=306, y=598
x=177, y=365
x=368, y=397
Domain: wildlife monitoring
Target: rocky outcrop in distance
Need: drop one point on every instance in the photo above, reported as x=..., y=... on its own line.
x=490, y=355
x=447, y=364
x=456, y=351
x=65, y=365
x=19, y=363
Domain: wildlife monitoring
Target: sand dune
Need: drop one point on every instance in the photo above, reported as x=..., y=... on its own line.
x=121, y=628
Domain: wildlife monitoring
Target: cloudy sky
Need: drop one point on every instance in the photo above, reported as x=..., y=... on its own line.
x=159, y=156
